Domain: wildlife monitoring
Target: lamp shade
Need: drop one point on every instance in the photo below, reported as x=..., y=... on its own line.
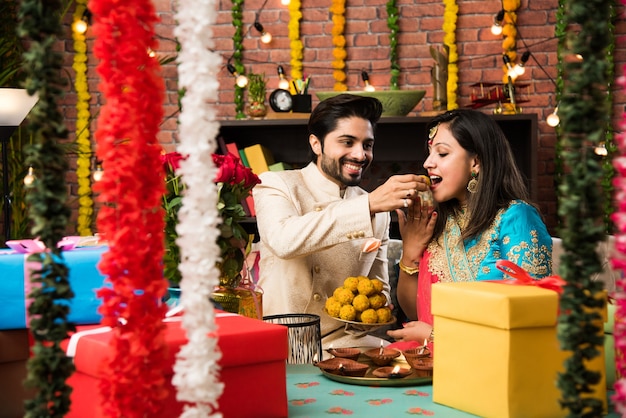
x=15, y=105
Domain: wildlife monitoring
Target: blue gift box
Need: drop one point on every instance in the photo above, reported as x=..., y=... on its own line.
x=84, y=276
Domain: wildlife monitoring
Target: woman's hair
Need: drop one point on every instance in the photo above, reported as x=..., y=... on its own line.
x=499, y=180
x=328, y=112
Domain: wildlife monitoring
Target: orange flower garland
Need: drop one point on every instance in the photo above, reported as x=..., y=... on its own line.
x=83, y=162
x=295, y=15
x=338, y=10
x=509, y=33
x=131, y=218
x=449, y=39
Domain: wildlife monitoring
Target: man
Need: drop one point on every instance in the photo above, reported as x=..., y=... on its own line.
x=313, y=222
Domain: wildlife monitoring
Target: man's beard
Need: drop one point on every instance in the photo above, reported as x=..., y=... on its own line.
x=333, y=169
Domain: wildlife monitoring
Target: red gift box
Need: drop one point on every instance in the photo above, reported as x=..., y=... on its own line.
x=253, y=369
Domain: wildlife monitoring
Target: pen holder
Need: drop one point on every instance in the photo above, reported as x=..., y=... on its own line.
x=301, y=103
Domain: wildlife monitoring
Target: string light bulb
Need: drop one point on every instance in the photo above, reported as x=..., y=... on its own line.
x=98, y=173
x=283, y=83
x=553, y=118
x=79, y=26
x=266, y=37
x=285, y=2
x=496, y=28
x=601, y=149
x=366, y=81
x=520, y=68
x=29, y=178
x=240, y=80
x=510, y=72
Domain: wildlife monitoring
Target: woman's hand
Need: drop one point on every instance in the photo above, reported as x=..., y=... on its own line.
x=416, y=225
x=412, y=331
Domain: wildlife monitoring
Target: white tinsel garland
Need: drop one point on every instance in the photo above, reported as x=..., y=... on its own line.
x=196, y=372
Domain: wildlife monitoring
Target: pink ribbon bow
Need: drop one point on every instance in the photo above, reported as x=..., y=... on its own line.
x=521, y=277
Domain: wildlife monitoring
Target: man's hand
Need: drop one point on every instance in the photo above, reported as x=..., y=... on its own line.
x=397, y=192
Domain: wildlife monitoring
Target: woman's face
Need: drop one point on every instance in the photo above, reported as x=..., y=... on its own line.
x=449, y=166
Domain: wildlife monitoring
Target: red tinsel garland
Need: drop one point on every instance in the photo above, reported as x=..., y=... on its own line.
x=131, y=218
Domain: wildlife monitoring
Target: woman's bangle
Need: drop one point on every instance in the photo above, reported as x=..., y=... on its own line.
x=409, y=270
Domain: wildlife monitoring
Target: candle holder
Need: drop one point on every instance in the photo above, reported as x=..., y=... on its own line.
x=422, y=366
x=343, y=367
x=382, y=356
x=415, y=353
x=352, y=353
x=390, y=372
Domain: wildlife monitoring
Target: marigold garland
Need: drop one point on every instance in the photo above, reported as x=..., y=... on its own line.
x=196, y=369
x=509, y=33
x=449, y=39
x=83, y=163
x=338, y=10
x=131, y=218
x=295, y=43
x=49, y=367
x=394, y=28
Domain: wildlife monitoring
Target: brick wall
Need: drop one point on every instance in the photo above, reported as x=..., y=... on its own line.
x=367, y=43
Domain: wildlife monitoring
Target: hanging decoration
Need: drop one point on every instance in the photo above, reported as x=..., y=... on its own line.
x=394, y=28
x=338, y=10
x=584, y=114
x=449, y=39
x=131, y=217
x=196, y=372
x=237, y=17
x=509, y=33
x=619, y=260
x=48, y=368
x=295, y=15
x=83, y=163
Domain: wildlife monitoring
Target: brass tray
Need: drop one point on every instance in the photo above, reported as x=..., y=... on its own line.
x=370, y=380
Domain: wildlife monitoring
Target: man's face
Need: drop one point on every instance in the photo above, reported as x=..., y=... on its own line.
x=347, y=151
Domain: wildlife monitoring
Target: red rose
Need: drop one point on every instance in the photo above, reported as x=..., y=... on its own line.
x=171, y=160
x=226, y=165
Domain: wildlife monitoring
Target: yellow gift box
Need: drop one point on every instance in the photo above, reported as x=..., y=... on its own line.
x=497, y=352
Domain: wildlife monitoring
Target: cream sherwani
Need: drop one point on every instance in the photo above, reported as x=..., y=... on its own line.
x=311, y=240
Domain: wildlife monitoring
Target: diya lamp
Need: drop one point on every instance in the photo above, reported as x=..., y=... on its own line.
x=395, y=372
x=352, y=353
x=382, y=356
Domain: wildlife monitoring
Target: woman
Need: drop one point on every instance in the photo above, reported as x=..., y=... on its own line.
x=481, y=215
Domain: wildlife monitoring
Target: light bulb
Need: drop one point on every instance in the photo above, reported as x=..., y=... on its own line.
x=601, y=150
x=283, y=84
x=98, y=174
x=496, y=29
x=285, y=2
x=79, y=26
x=242, y=81
x=366, y=80
x=29, y=178
x=266, y=38
x=553, y=118
x=369, y=87
x=519, y=69
x=151, y=52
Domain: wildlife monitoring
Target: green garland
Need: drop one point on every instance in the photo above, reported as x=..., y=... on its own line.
x=584, y=117
x=394, y=28
x=609, y=141
x=237, y=15
x=49, y=368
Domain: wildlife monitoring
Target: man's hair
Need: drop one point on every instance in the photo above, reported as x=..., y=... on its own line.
x=328, y=112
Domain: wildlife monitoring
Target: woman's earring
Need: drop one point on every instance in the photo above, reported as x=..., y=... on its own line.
x=472, y=185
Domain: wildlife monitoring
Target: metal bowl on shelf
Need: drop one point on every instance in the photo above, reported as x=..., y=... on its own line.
x=395, y=102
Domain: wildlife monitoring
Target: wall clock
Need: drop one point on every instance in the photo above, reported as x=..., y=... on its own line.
x=281, y=100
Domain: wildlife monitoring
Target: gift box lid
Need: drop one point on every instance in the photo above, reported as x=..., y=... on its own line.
x=496, y=305
x=242, y=341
